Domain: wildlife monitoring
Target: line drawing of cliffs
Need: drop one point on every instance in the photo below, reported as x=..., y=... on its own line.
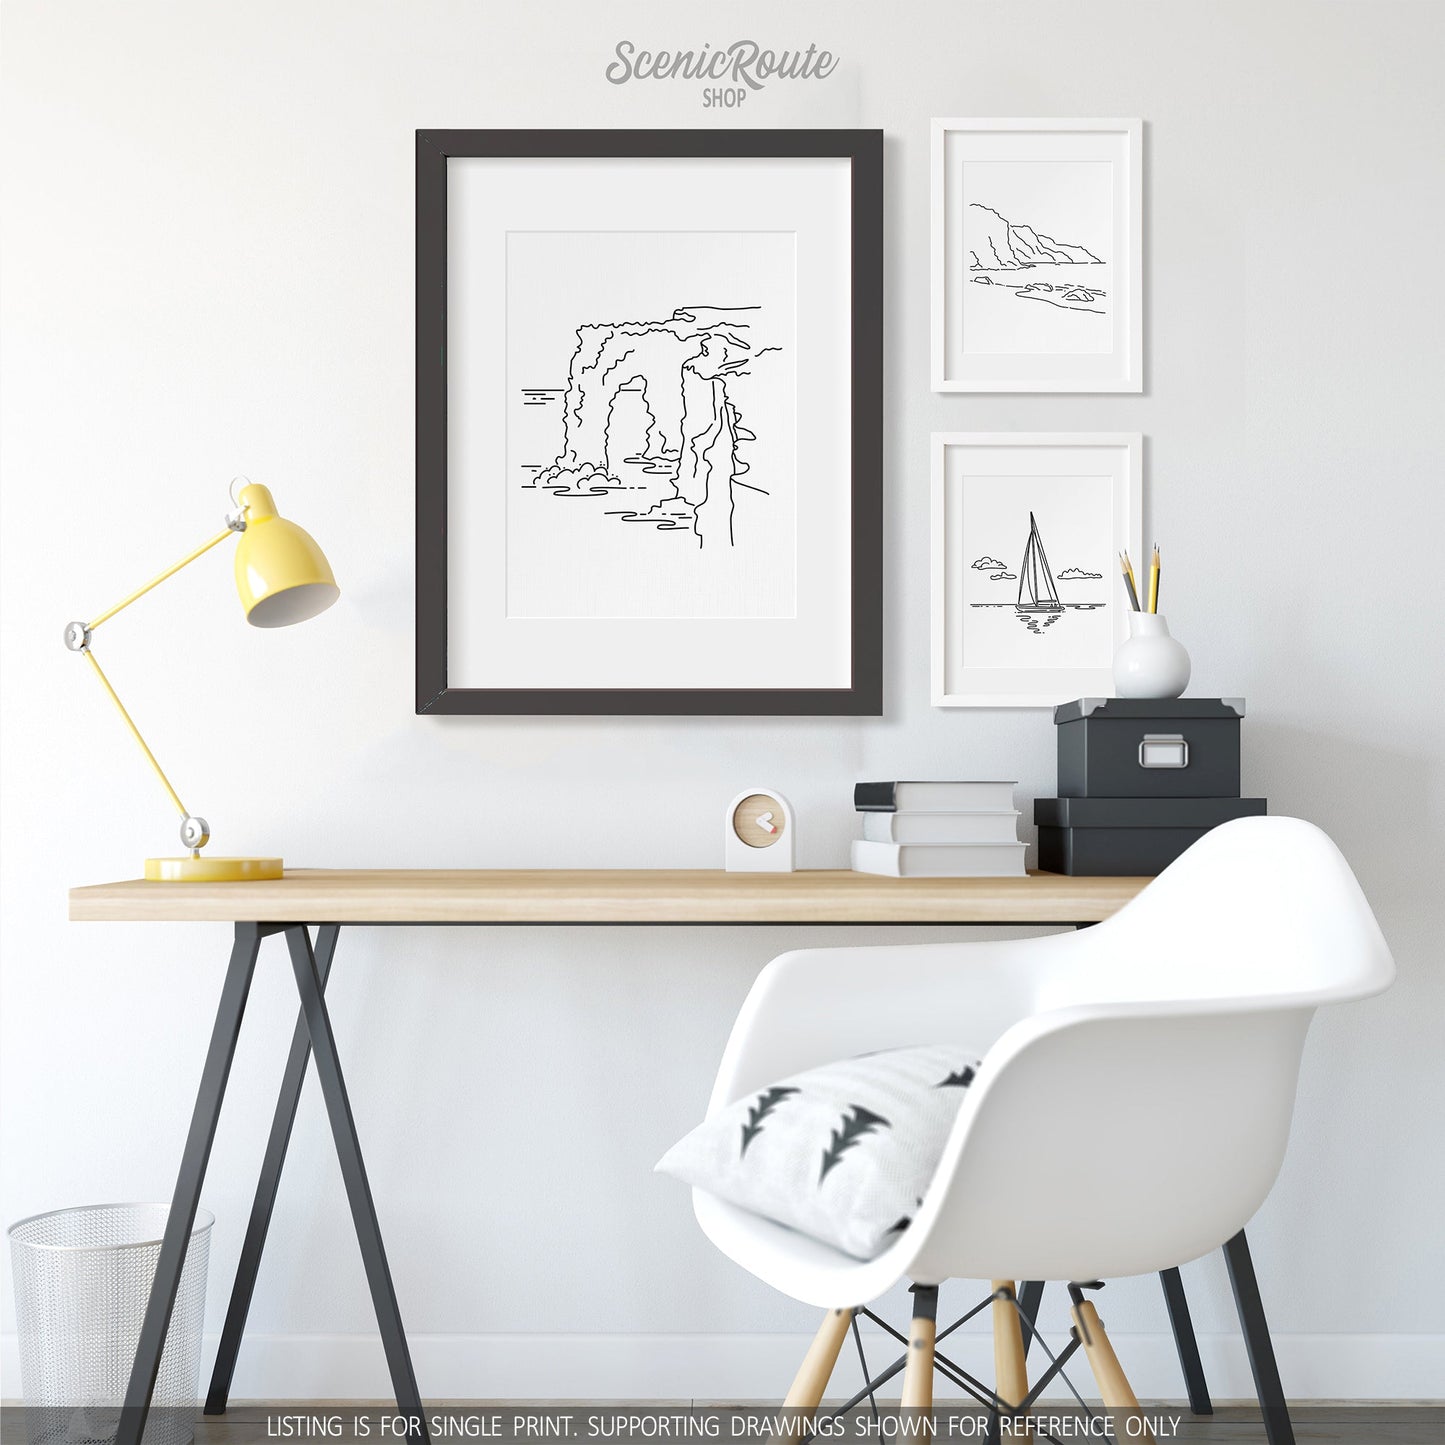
x=992, y=243
x=995, y=243
x=651, y=407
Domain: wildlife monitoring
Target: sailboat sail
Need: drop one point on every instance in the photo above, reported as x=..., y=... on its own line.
x=1037, y=592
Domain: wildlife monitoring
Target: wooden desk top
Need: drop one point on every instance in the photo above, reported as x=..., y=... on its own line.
x=621, y=895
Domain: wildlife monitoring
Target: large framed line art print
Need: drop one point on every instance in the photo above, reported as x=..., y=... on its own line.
x=649, y=440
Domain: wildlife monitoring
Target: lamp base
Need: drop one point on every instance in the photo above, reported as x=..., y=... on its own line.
x=192, y=869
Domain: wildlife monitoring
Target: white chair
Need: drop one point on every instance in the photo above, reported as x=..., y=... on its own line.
x=1150, y=1060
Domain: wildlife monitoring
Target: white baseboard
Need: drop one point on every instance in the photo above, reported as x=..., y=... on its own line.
x=759, y=1367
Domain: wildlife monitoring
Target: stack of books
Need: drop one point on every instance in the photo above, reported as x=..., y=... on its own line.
x=938, y=830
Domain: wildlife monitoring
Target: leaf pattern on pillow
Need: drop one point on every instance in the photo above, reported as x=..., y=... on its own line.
x=905, y=1221
x=856, y=1123
x=764, y=1105
x=958, y=1079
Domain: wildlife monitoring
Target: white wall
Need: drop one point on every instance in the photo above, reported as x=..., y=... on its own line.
x=208, y=270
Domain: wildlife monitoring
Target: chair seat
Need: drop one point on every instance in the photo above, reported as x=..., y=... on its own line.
x=804, y=1268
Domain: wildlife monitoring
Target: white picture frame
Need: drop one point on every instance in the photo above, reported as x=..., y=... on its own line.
x=1015, y=500
x=1037, y=255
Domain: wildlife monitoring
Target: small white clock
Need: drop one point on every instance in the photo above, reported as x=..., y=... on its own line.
x=758, y=833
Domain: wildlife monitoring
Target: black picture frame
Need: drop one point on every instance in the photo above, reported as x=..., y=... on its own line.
x=864, y=149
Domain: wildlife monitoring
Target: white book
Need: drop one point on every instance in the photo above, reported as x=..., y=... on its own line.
x=939, y=860
x=941, y=827
x=936, y=797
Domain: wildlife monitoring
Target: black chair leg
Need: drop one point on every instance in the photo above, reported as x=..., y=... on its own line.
x=1277, y=1427
x=1185, y=1343
x=1031, y=1293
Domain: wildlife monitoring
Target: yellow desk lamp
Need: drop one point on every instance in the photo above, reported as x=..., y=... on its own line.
x=283, y=577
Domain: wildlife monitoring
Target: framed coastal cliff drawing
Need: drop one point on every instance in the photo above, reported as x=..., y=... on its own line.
x=649, y=422
x=1038, y=266
x=1028, y=601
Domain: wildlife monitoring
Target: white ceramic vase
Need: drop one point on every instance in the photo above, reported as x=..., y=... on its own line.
x=1149, y=662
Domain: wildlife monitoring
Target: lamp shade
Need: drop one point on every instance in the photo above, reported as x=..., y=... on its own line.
x=281, y=574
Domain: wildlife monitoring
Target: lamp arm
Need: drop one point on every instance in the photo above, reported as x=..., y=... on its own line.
x=195, y=832
x=236, y=524
x=135, y=733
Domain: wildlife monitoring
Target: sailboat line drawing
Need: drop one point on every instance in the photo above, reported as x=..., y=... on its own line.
x=1037, y=592
x=1038, y=605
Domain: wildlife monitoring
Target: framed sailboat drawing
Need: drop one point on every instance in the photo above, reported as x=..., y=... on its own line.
x=1037, y=243
x=1028, y=605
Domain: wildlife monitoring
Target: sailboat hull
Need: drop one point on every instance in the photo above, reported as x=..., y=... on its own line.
x=1039, y=606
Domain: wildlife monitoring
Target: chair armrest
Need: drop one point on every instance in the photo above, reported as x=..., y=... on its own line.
x=811, y=1006
x=1102, y=1141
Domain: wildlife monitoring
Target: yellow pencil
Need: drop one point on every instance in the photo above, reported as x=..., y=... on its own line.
x=1154, y=581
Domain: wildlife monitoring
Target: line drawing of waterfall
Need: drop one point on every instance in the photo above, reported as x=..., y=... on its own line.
x=649, y=410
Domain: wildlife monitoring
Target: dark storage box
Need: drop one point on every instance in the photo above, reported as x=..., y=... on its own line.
x=1124, y=747
x=1128, y=837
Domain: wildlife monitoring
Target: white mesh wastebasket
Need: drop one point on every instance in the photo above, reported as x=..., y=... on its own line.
x=82, y=1279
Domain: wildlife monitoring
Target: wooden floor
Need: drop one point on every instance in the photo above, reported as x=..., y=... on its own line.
x=1314, y=1424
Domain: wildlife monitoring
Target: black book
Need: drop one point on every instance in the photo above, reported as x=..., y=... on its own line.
x=944, y=797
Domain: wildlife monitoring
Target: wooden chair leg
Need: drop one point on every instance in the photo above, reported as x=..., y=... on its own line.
x=811, y=1381
x=1011, y=1372
x=1114, y=1388
x=918, y=1371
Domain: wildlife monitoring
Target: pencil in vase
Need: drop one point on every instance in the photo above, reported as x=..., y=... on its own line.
x=1127, y=568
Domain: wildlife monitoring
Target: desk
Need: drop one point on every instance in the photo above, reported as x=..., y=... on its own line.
x=326, y=899
x=606, y=895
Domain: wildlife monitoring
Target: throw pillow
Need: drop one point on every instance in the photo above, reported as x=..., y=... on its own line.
x=843, y=1152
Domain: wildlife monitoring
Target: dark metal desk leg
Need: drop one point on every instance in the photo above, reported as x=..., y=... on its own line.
x=1185, y=1343
x=265, y=1200
x=187, y=1196
x=1277, y=1427
x=358, y=1190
